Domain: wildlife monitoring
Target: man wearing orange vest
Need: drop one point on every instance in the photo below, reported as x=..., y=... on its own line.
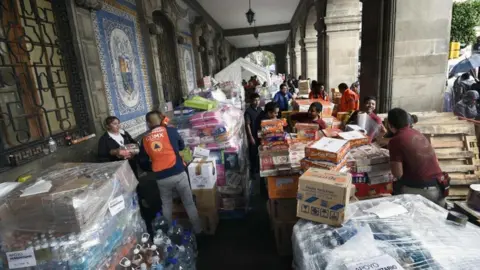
x=159, y=155
x=350, y=99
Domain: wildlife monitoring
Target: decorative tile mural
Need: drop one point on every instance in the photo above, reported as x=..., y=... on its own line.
x=122, y=56
x=188, y=63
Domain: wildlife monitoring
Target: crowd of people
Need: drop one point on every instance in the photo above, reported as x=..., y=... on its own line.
x=465, y=96
x=413, y=160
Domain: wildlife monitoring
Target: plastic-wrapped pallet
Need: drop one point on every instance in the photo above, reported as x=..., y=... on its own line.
x=418, y=239
x=85, y=216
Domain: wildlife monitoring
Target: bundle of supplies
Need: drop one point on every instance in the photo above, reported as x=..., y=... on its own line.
x=399, y=232
x=370, y=168
x=355, y=138
x=72, y=216
x=323, y=196
x=307, y=132
x=327, y=153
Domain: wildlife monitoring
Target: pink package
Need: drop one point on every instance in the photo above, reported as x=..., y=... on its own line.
x=213, y=115
x=213, y=123
x=221, y=179
x=199, y=125
x=196, y=117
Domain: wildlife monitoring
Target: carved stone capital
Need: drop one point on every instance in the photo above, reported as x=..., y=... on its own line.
x=89, y=4
x=301, y=42
x=154, y=29
x=180, y=40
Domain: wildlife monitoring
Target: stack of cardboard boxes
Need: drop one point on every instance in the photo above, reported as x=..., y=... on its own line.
x=370, y=169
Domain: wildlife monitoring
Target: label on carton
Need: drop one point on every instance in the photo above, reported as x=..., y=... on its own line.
x=201, y=152
x=116, y=205
x=21, y=259
x=329, y=145
x=383, y=262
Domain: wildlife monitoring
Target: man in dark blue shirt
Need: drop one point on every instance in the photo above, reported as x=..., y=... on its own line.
x=282, y=98
x=251, y=114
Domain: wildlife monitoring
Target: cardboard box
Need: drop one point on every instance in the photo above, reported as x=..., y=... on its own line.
x=355, y=138
x=327, y=149
x=323, y=196
x=282, y=187
x=367, y=190
x=372, y=168
x=283, y=236
x=332, y=122
x=331, y=132
x=273, y=161
x=209, y=221
x=306, y=164
x=282, y=209
x=303, y=87
x=205, y=198
x=203, y=173
x=370, y=154
x=304, y=105
x=307, y=131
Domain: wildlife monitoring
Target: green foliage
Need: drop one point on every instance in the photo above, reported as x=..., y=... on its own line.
x=262, y=58
x=465, y=17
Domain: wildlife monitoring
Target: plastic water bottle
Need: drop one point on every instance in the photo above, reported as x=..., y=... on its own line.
x=145, y=245
x=172, y=264
x=186, y=255
x=160, y=223
x=52, y=145
x=161, y=240
x=155, y=256
x=192, y=241
x=137, y=258
x=176, y=233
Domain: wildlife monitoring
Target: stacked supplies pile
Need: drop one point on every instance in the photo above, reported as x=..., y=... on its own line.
x=370, y=169
x=326, y=153
x=72, y=216
x=274, y=149
x=387, y=233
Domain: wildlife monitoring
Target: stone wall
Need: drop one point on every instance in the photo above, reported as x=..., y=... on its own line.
x=422, y=34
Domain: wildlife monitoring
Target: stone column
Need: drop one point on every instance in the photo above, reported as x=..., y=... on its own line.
x=343, y=41
x=421, y=45
x=298, y=62
x=311, y=57
x=288, y=63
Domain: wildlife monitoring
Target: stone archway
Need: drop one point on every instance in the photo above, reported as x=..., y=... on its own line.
x=298, y=52
x=310, y=41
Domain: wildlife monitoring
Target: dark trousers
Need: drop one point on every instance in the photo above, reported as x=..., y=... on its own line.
x=254, y=159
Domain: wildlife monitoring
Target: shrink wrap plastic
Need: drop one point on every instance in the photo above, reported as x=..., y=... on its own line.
x=418, y=239
x=85, y=219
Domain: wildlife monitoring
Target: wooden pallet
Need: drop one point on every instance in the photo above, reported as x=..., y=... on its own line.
x=456, y=145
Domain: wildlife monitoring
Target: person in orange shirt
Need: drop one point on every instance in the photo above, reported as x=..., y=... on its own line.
x=318, y=91
x=350, y=99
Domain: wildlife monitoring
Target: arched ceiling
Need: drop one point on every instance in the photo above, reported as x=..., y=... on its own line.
x=230, y=14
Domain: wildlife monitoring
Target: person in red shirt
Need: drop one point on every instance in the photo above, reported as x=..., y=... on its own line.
x=412, y=160
x=349, y=101
x=312, y=116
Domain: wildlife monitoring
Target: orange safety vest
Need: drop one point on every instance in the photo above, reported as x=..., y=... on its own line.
x=159, y=149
